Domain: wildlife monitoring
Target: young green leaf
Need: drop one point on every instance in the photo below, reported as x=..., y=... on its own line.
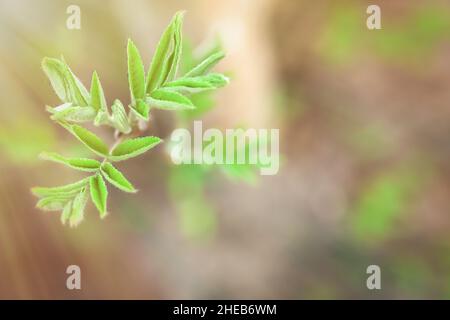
x=61, y=108
x=173, y=61
x=90, y=140
x=189, y=85
x=78, y=206
x=119, y=117
x=216, y=79
x=133, y=147
x=136, y=76
x=169, y=100
x=141, y=109
x=83, y=164
x=102, y=118
x=82, y=89
x=66, y=212
x=79, y=94
x=68, y=112
x=116, y=178
x=98, y=101
x=54, y=203
x=99, y=194
x=197, y=84
x=206, y=65
x=158, y=66
x=55, y=71
x=67, y=190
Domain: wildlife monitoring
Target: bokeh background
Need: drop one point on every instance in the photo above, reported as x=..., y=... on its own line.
x=364, y=119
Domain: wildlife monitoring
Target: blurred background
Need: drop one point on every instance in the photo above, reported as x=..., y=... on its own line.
x=364, y=119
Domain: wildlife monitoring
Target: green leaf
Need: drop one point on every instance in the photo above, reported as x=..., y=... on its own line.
x=216, y=79
x=79, y=94
x=55, y=71
x=159, y=65
x=197, y=84
x=173, y=61
x=66, y=190
x=66, y=85
x=68, y=112
x=206, y=65
x=98, y=101
x=66, y=212
x=141, y=109
x=136, y=76
x=54, y=203
x=133, y=147
x=78, y=206
x=101, y=118
x=83, y=164
x=82, y=89
x=116, y=178
x=169, y=100
x=99, y=194
x=189, y=85
x=90, y=140
x=119, y=117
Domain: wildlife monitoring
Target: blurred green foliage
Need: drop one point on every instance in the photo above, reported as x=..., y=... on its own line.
x=187, y=188
x=384, y=201
x=409, y=39
x=369, y=141
x=341, y=35
x=16, y=144
x=188, y=183
x=417, y=37
x=204, y=101
x=412, y=275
